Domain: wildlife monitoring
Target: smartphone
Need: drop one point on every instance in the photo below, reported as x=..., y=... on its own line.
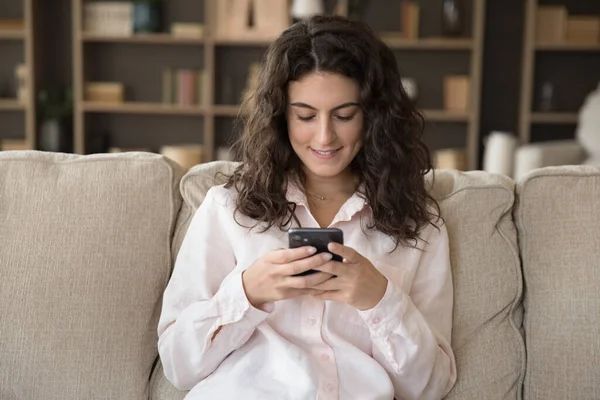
x=318, y=238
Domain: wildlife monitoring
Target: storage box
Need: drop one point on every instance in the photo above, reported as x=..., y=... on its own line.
x=270, y=18
x=108, y=92
x=410, y=19
x=186, y=155
x=450, y=159
x=457, y=91
x=583, y=29
x=551, y=24
x=188, y=30
x=14, y=144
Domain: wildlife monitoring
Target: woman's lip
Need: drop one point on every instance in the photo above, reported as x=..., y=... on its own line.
x=318, y=153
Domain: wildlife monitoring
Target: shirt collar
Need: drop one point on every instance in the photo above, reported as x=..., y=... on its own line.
x=355, y=204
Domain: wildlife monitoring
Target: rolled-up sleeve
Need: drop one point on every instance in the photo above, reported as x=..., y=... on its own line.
x=411, y=332
x=205, y=294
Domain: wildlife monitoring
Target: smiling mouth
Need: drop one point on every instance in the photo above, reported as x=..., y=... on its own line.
x=325, y=152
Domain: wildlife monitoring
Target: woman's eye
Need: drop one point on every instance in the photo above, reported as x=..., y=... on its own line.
x=305, y=118
x=344, y=118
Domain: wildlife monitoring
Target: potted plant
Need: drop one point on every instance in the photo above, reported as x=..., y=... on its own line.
x=147, y=16
x=55, y=108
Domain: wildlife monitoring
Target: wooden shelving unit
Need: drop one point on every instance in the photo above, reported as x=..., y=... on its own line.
x=209, y=46
x=157, y=38
x=553, y=118
x=28, y=106
x=532, y=50
x=11, y=105
x=12, y=34
x=141, y=108
x=399, y=43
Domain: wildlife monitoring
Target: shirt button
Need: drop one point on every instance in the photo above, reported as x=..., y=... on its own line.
x=376, y=320
x=312, y=320
x=329, y=387
x=325, y=357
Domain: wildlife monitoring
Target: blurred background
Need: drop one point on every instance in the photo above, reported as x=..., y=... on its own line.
x=505, y=85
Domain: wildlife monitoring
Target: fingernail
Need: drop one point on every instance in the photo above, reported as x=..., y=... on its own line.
x=326, y=256
x=312, y=250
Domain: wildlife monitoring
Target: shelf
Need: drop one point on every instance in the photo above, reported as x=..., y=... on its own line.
x=146, y=38
x=554, y=118
x=582, y=47
x=430, y=115
x=445, y=116
x=141, y=108
x=397, y=42
x=244, y=42
x=11, y=105
x=12, y=34
x=226, y=110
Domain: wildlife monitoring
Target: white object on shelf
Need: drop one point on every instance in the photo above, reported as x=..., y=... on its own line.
x=499, y=153
x=304, y=9
x=108, y=18
x=588, y=129
x=22, y=79
x=410, y=87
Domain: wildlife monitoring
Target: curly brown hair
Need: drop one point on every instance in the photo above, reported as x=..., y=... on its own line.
x=393, y=162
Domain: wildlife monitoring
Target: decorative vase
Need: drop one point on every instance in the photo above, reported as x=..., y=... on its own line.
x=304, y=9
x=54, y=136
x=146, y=17
x=453, y=17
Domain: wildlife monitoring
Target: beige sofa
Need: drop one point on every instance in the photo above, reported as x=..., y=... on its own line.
x=87, y=244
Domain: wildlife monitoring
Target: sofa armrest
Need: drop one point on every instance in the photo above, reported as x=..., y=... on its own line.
x=546, y=154
x=161, y=388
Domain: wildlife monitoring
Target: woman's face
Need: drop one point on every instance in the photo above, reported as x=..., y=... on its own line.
x=325, y=122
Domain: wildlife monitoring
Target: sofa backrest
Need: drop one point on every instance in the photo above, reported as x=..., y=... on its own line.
x=85, y=250
x=558, y=217
x=488, y=287
x=486, y=336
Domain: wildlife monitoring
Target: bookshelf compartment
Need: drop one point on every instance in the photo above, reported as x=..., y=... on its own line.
x=152, y=131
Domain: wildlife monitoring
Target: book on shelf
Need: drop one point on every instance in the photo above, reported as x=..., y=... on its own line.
x=108, y=18
x=185, y=87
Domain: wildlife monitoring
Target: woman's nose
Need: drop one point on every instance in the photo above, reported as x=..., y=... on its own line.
x=326, y=133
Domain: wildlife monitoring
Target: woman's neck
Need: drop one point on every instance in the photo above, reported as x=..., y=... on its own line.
x=340, y=186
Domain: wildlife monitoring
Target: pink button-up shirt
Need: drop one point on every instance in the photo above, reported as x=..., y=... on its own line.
x=305, y=348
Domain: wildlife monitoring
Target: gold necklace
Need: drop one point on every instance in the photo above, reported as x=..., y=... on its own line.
x=322, y=198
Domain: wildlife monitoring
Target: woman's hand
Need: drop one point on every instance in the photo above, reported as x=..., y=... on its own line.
x=358, y=282
x=270, y=278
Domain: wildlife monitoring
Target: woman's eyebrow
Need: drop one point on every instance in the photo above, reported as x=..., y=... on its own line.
x=344, y=105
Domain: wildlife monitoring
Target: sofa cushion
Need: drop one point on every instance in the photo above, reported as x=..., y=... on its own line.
x=486, y=272
x=194, y=186
x=84, y=259
x=558, y=218
x=486, y=338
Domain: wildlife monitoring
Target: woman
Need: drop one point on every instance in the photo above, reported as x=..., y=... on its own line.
x=330, y=140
